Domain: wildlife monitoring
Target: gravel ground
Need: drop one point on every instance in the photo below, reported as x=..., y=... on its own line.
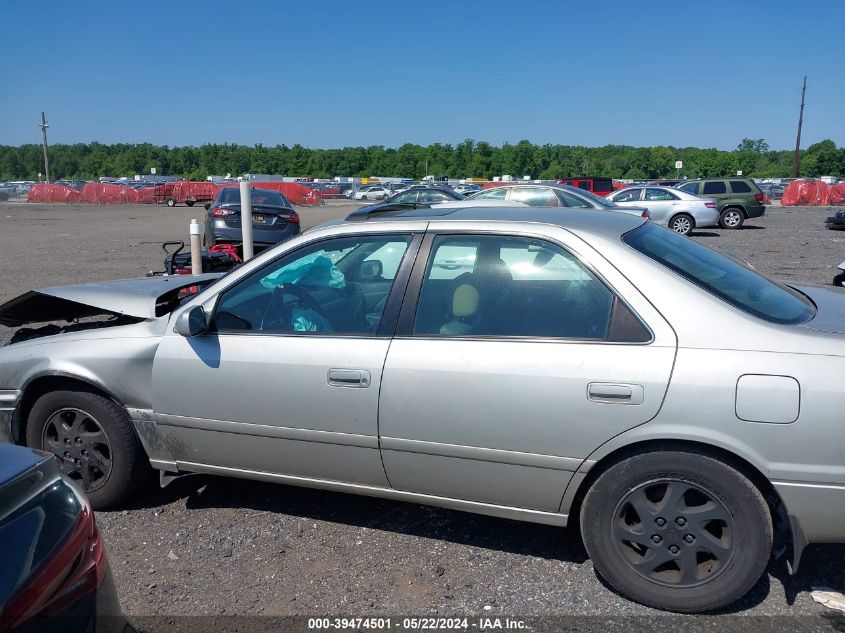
x=219, y=547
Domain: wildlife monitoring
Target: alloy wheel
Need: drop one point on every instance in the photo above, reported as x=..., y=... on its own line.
x=674, y=533
x=732, y=219
x=681, y=225
x=81, y=444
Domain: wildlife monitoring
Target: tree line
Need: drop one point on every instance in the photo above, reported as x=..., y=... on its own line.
x=467, y=159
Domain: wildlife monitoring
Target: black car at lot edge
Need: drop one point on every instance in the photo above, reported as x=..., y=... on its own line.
x=54, y=575
x=273, y=218
x=414, y=198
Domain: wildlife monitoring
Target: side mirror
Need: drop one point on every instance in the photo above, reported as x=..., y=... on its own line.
x=191, y=322
x=371, y=269
x=207, y=206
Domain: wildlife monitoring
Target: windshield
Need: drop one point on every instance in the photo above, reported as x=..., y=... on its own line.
x=722, y=276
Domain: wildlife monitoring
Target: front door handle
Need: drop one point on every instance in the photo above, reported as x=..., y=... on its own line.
x=359, y=378
x=615, y=393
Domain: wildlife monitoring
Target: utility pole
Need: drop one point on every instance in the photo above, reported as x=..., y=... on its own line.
x=44, y=127
x=796, y=158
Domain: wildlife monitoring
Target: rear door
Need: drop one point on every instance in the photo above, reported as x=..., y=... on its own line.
x=515, y=357
x=717, y=189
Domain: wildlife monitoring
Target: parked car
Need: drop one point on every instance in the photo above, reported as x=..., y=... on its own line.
x=598, y=186
x=377, y=192
x=273, y=218
x=54, y=575
x=836, y=221
x=550, y=365
x=553, y=196
x=679, y=210
x=413, y=198
x=839, y=279
x=738, y=198
x=467, y=189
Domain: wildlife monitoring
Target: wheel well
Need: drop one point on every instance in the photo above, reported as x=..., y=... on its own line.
x=44, y=385
x=776, y=508
x=689, y=215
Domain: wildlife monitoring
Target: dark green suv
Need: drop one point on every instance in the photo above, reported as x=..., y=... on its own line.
x=737, y=198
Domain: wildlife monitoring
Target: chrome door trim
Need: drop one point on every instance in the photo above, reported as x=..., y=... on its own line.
x=499, y=456
x=477, y=507
x=269, y=431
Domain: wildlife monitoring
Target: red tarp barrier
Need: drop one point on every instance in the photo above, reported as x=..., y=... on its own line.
x=180, y=190
x=813, y=193
x=45, y=192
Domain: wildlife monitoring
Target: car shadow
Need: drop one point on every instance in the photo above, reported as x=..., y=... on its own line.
x=704, y=234
x=516, y=537
x=752, y=227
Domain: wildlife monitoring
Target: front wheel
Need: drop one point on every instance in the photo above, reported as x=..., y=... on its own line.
x=731, y=218
x=677, y=530
x=93, y=439
x=682, y=223
x=171, y=202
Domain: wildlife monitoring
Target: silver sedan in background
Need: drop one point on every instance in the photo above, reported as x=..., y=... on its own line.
x=680, y=211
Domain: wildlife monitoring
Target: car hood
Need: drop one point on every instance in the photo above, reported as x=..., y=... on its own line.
x=830, y=307
x=137, y=298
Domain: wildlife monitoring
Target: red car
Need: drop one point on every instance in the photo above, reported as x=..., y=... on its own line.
x=598, y=186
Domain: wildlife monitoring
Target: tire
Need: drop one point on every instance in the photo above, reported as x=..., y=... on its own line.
x=102, y=429
x=839, y=280
x=718, y=574
x=363, y=197
x=171, y=202
x=682, y=223
x=190, y=203
x=384, y=197
x=731, y=218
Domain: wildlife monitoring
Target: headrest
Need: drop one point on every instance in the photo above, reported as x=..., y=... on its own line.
x=465, y=301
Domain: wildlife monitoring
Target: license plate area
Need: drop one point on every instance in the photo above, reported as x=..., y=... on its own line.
x=257, y=218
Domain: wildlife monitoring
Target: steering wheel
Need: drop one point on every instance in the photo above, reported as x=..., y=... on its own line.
x=278, y=315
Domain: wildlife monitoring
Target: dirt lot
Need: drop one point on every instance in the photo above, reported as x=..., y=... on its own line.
x=212, y=546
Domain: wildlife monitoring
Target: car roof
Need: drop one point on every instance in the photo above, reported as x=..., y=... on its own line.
x=593, y=221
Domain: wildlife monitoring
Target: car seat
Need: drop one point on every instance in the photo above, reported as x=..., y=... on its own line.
x=465, y=301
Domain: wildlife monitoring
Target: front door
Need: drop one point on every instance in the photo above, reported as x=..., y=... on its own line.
x=517, y=360
x=287, y=380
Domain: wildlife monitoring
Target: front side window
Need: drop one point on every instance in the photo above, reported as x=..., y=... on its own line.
x=504, y=286
x=659, y=195
x=721, y=276
x=337, y=286
x=585, y=184
x=713, y=188
x=407, y=197
x=690, y=187
x=535, y=196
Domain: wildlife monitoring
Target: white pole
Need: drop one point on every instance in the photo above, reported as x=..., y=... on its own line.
x=196, y=249
x=246, y=219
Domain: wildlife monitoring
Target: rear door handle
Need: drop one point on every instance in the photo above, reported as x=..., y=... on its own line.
x=359, y=378
x=615, y=393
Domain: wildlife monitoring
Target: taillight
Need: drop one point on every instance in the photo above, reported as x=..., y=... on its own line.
x=646, y=215
x=293, y=218
x=759, y=197
x=74, y=569
x=711, y=205
x=220, y=212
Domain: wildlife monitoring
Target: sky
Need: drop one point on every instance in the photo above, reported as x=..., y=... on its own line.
x=328, y=74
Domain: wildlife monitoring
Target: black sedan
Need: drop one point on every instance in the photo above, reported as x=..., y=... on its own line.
x=416, y=198
x=273, y=218
x=54, y=575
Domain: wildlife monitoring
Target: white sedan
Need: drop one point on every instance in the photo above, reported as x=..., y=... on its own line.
x=680, y=211
x=373, y=193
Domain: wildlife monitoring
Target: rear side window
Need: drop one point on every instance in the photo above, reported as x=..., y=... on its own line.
x=739, y=186
x=535, y=196
x=721, y=276
x=585, y=184
x=714, y=188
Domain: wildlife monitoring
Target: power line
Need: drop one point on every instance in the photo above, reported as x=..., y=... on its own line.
x=796, y=158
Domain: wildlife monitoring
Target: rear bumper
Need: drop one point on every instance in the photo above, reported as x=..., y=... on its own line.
x=756, y=212
x=818, y=508
x=234, y=234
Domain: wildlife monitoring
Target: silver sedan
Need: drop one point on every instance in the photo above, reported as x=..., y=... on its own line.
x=680, y=211
x=554, y=365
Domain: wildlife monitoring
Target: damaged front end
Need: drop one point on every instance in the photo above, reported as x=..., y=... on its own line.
x=65, y=309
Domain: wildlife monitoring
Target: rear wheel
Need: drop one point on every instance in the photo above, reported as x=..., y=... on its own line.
x=93, y=439
x=171, y=202
x=677, y=530
x=190, y=203
x=682, y=223
x=731, y=218
x=384, y=197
